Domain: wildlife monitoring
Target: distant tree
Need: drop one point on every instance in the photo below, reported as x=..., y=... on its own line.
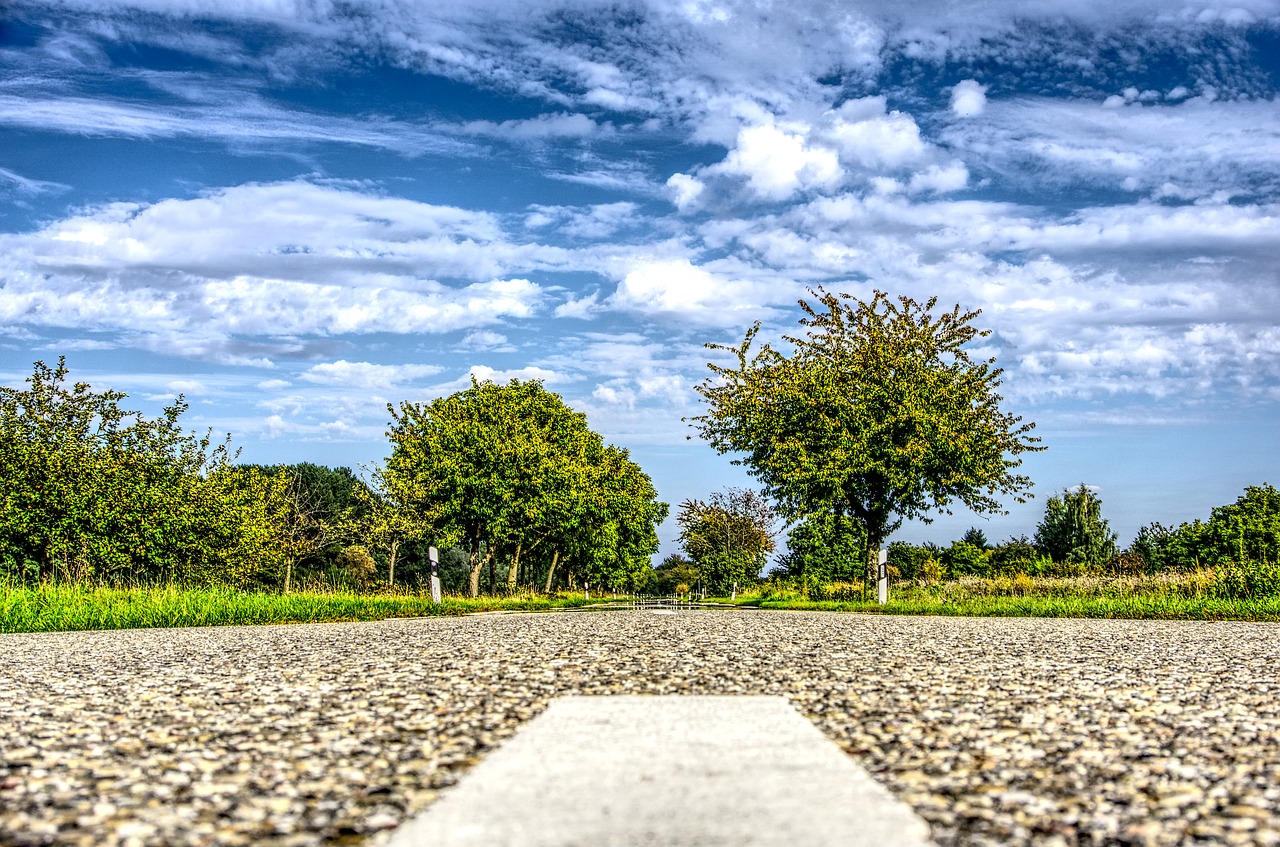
x=1073, y=530
x=975, y=537
x=729, y=537
x=675, y=570
x=1244, y=532
x=1018, y=555
x=880, y=414
x=824, y=547
x=965, y=559
x=916, y=561
x=511, y=472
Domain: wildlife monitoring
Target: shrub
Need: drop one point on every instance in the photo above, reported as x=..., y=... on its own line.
x=964, y=559
x=1247, y=581
x=359, y=565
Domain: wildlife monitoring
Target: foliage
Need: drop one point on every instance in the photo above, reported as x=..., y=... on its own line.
x=729, y=537
x=93, y=491
x=1073, y=530
x=513, y=474
x=975, y=537
x=919, y=562
x=964, y=559
x=675, y=570
x=823, y=547
x=1019, y=555
x=879, y=413
x=358, y=565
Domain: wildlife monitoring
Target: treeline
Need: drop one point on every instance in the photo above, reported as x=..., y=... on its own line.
x=506, y=479
x=1240, y=542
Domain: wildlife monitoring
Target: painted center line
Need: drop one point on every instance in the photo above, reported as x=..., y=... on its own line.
x=630, y=770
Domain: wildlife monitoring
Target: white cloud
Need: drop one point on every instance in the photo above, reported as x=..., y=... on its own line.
x=366, y=375
x=238, y=117
x=288, y=259
x=541, y=128
x=680, y=290
x=494, y=342
x=968, y=98
x=778, y=163
x=684, y=190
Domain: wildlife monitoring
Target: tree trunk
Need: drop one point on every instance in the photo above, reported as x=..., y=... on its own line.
x=513, y=572
x=875, y=537
x=391, y=563
x=476, y=564
x=288, y=575
x=551, y=572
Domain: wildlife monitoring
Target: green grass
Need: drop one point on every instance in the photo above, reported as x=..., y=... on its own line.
x=60, y=608
x=1138, y=607
x=1163, y=597
x=64, y=608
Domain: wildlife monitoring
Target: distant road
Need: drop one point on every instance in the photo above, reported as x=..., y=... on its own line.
x=1007, y=730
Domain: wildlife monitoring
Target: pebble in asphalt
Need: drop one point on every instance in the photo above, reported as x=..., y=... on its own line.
x=996, y=731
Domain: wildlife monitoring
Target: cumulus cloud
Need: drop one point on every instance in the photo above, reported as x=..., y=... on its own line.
x=685, y=190
x=968, y=98
x=680, y=290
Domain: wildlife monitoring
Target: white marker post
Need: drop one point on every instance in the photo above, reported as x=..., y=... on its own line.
x=882, y=587
x=434, y=557
x=735, y=593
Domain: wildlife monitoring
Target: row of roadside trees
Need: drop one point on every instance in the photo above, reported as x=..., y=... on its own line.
x=504, y=477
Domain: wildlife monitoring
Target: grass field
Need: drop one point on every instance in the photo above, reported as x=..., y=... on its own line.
x=63, y=608
x=1175, y=596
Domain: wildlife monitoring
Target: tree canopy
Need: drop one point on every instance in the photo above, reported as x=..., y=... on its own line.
x=729, y=537
x=1073, y=530
x=878, y=412
x=94, y=491
x=510, y=471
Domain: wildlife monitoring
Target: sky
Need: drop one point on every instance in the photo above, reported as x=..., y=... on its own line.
x=294, y=212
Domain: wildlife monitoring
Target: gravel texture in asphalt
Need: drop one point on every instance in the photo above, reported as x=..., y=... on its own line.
x=996, y=731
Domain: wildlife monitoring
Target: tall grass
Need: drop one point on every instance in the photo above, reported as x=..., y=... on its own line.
x=63, y=608
x=1175, y=596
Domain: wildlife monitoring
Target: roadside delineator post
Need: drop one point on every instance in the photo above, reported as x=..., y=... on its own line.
x=734, y=596
x=882, y=587
x=434, y=558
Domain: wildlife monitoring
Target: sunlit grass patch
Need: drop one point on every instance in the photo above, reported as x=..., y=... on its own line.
x=64, y=608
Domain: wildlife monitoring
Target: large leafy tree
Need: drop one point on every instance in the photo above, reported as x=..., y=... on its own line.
x=1073, y=530
x=729, y=536
x=95, y=492
x=878, y=412
x=511, y=472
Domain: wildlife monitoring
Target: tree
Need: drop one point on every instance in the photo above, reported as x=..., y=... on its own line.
x=511, y=471
x=975, y=537
x=1073, y=530
x=879, y=413
x=729, y=537
x=824, y=547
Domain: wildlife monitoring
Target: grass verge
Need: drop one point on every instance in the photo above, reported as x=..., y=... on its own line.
x=1135, y=607
x=66, y=608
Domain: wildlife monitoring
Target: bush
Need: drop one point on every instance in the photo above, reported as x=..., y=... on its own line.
x=964, y=559
x=1248, y=581
x=356, y=562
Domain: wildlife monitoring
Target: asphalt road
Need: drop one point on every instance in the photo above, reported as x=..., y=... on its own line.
x=1009, y=731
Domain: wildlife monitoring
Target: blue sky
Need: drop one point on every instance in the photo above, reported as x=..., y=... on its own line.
x=297, y=212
